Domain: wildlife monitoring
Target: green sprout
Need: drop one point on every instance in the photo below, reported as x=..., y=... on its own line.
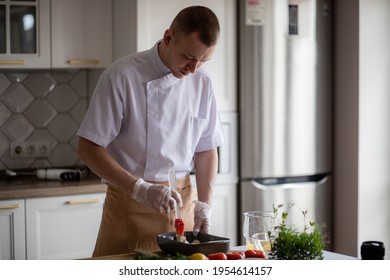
x=288, y=243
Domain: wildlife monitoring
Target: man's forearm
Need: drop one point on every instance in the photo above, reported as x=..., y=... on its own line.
x=206, y=167
x=100, y=161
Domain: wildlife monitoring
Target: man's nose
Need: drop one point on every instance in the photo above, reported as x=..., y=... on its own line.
x=193, y=65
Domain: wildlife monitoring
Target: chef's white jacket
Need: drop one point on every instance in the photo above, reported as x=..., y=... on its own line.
x=150, y=120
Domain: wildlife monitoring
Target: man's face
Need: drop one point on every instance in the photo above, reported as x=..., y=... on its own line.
x=186, y=54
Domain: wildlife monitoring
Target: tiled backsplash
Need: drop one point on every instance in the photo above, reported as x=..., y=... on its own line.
x=42, y=106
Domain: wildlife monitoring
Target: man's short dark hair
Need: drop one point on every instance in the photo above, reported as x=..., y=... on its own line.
x=197, y=19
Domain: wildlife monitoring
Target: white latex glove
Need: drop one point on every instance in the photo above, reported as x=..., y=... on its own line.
x=156, y=196
x=202, y=217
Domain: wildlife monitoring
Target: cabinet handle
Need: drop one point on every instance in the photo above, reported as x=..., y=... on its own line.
x=83, y=201
x=83, y=61
x=13, y=206
x=12, y=62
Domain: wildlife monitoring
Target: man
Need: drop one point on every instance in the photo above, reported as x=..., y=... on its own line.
x=151, y=111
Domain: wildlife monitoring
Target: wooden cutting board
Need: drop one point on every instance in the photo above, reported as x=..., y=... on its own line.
x=126, y=256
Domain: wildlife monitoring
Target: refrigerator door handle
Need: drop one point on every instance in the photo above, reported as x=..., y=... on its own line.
x=258, y=185
x=265, y=187
x=266, y=183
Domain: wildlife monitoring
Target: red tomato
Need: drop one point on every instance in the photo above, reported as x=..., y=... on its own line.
x=254, y=254
x=179, y=225
x=217, y=256
x=235, y=255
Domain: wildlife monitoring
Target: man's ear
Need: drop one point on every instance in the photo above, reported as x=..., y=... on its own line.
x=168, y=36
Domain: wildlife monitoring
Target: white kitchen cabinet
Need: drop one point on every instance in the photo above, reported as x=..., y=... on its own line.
x=224, y=212
x=81, y=35
x=12, y=230
x=63, y=227
x=153, y=17
x=24, y=34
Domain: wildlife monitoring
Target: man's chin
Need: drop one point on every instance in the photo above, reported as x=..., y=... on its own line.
x=180, y=74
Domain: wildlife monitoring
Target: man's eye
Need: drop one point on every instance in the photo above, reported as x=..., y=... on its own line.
x=188, y=57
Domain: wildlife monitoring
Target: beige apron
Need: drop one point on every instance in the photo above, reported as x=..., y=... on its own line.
x=127, y=225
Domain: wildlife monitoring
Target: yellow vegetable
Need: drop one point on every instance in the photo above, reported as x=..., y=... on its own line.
x=198, y=256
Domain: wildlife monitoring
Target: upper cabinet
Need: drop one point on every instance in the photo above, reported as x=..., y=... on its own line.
x=25, y=34
x=81, y=35
x=55, y=34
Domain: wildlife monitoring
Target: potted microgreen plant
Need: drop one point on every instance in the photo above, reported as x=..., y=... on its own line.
x=291, y=243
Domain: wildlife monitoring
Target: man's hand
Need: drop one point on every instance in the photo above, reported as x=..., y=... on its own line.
x=156, y=196
x=202, y=217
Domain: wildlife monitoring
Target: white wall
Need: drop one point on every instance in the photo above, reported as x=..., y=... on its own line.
x=362, y=130
x=374, y=119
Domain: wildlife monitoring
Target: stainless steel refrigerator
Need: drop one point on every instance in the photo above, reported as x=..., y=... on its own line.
x=285, y=111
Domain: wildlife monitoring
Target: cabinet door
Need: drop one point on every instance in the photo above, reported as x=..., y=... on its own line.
x=63, y=227
x=155, y=16
x=24, y=34
x=12, y=230
x=81, y=33
x=224, y=213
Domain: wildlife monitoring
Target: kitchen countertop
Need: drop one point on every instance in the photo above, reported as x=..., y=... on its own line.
x=128, y=256
x=11, y=188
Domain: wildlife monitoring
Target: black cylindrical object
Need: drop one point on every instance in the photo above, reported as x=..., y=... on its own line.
x=372, y=250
